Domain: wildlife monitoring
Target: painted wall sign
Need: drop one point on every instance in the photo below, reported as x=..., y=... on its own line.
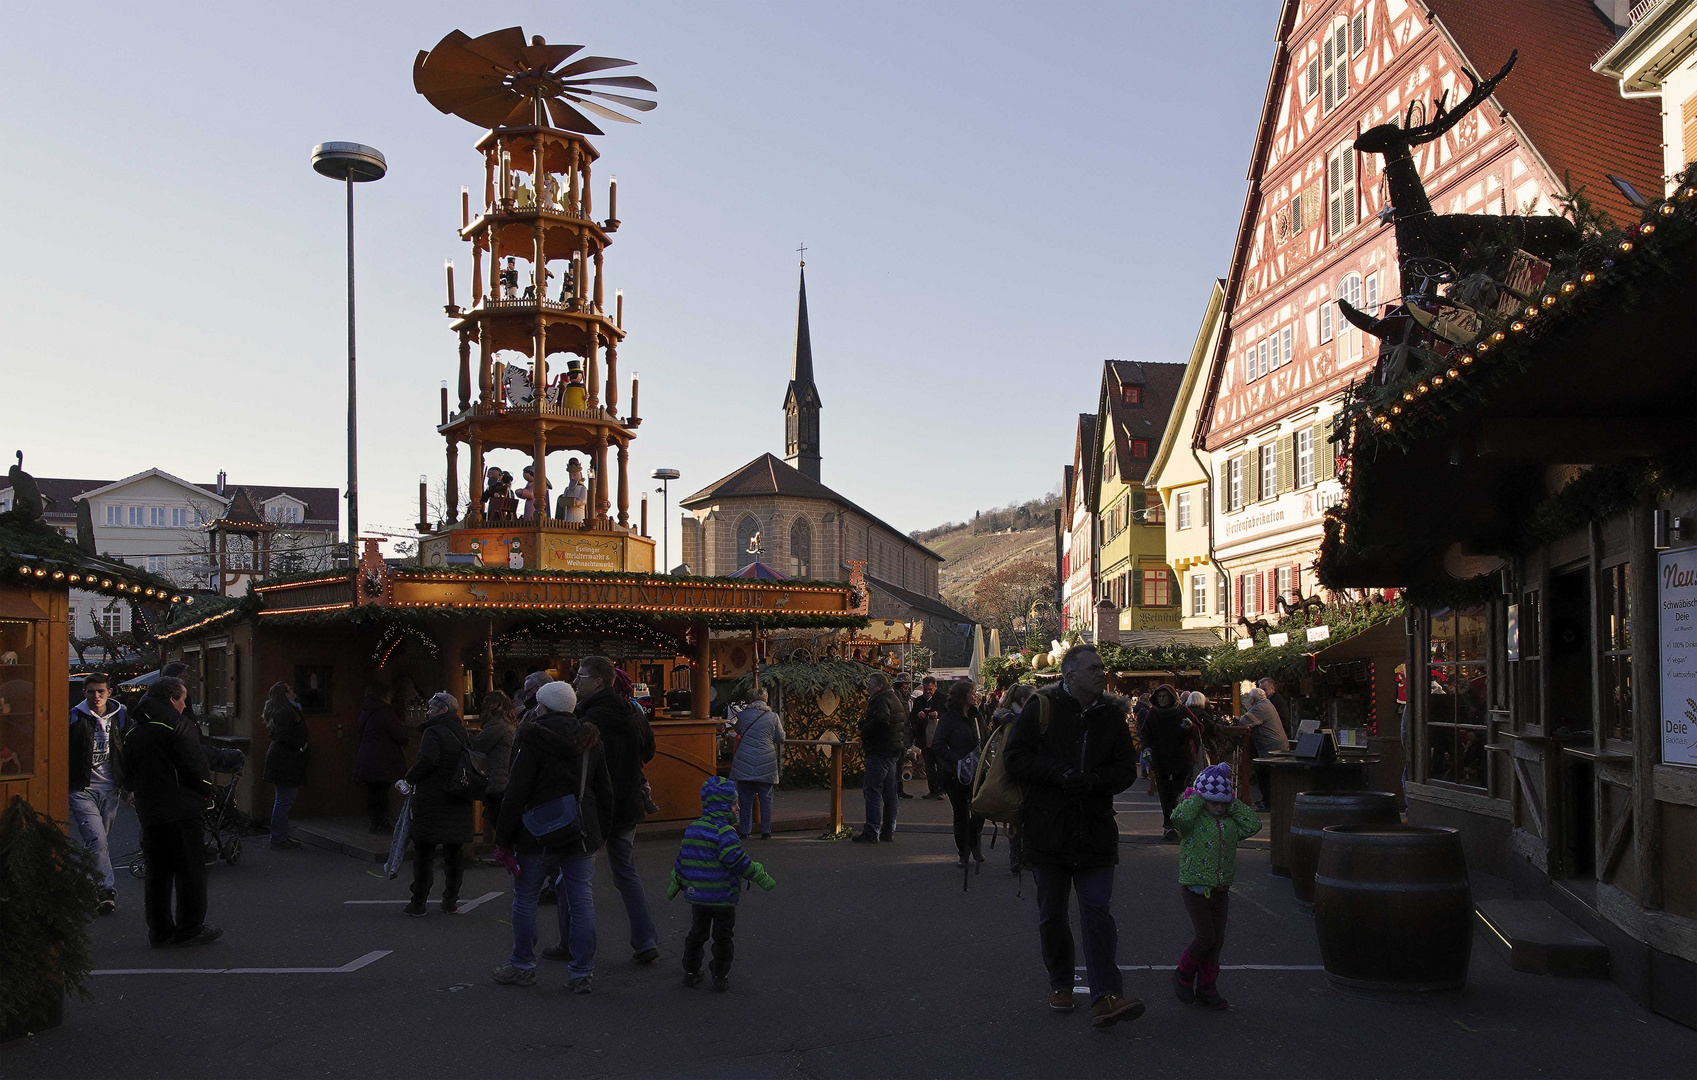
x=1676, y=601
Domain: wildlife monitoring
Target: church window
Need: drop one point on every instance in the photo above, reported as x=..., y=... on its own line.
x=801, y=549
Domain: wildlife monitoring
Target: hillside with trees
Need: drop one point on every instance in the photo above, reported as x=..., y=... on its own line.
x=1000, y=568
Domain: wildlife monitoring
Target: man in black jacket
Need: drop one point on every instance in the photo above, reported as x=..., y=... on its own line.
x=1072, y=752
x=629, y=744
x=169, y=782
x=927, y=709
x=881, y=739
x=98, y=726
x=555, y=755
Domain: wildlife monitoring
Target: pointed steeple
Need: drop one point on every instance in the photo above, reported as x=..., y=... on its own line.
x=801, y=399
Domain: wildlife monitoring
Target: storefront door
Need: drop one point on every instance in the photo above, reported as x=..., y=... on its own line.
x=1571, y=814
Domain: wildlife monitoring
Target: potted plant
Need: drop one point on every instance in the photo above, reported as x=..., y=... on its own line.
x=47, y=900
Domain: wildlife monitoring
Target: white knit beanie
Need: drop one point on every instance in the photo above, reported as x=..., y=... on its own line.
x=557, y=697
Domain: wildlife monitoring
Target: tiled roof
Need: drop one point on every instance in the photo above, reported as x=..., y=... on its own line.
x=767, y=475
x=1573, y=117
x=1148, y=422
x=918, y=601
x=322, y=504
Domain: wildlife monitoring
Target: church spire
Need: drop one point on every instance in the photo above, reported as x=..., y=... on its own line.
x=801, y=400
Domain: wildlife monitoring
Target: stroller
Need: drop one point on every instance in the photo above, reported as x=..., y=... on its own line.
x=224, y=823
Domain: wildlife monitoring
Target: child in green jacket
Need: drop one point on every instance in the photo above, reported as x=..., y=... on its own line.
x=1210, y=822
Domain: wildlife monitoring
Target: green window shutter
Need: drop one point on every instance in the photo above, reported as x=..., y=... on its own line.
x=1223, y=486
x=1325, y=462
x=1287, y=464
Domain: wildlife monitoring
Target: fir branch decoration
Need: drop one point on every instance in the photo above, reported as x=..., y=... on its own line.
x=47, y=899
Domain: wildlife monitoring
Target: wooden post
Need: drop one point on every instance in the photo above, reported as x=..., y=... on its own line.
x=603, y=501
x=572, y=204
x=700, y=680
x=645, y=513
x=592, y=374
x=612, y=377
x=465, y=368
x=485, y=369
x=476, y=274
x=624, y=486
x=453, y=480
x=474, y=509
x=598, y=291
x=539, y=480
x=1646, y=706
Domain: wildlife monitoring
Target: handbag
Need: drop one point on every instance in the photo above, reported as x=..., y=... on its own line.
x=558, y=823
x=470, y=778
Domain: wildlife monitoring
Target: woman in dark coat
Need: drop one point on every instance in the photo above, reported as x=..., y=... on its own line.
x=1169, y=732
x=285, y=760
x=499, y=720
x=380, y=760
x=438, y=818
x=958, y=736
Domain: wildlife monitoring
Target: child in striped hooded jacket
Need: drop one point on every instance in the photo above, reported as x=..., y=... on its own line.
x=708, y=868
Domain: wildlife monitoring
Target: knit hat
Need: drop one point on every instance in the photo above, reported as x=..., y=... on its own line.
x=1215, y=783
x=442, y=704
x=557, y=697
x=622, y=683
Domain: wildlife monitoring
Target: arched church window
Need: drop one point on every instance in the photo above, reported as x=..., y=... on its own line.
x=748, y=537
x=801, y=549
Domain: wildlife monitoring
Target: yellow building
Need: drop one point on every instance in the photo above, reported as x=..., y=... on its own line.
x=1178, y=476
x=1131, y=420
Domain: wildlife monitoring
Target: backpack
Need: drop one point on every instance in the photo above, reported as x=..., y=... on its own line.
x=470, y=776
x=996, y=795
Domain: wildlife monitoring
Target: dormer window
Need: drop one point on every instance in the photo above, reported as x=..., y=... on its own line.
x=1132, y=395
x=1139, y=448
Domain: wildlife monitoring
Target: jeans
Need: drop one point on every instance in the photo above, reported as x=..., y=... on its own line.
x=747, y=792
x=176, y=863
x=280, y=805
x=969, y=827
x=1095, y=888
x=576, y=909
x=930, y=760
x=92, y=812
x=722, y=922
x=621, y=859
x=1200, y=961
x=879, y=787
x=453, y=870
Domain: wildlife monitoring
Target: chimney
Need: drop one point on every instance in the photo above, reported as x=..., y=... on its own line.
x=223, y=477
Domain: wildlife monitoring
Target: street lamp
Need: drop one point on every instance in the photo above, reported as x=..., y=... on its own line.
x=352, y=163
x=665, y=476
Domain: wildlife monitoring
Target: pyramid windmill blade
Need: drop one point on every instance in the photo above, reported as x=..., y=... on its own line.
x=630, y=102
x=547, y=57
x=604, y=112
x=569, y=119
x=504, y=47
x=628, y=82
x=592, y=63
x=451, y=54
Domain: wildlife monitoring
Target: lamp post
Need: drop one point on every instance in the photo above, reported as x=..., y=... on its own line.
x=665, y=476
x=351, y=163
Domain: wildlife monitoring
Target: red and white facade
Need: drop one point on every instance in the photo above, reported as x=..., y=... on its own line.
x=1316, y=229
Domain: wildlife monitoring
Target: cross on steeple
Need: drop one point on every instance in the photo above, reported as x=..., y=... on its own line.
x=803, y=250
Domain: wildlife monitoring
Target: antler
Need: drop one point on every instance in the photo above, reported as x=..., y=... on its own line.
x=1443, y=119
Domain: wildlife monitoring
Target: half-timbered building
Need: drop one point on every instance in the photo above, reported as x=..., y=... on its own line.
x=1317, y=228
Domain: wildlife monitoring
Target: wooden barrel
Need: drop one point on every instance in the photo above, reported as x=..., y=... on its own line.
x=1393, y=907
x=1316, y=810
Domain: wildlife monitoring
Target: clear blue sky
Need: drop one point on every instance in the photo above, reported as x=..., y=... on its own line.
x=995, y=197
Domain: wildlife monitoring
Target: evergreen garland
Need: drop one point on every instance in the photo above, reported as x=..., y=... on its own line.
x=47, y=899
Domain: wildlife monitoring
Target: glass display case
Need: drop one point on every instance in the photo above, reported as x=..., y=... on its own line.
x=17, y=697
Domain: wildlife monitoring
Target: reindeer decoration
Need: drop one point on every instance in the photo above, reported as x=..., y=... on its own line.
x=1430, y=244
x=1308, y=606
x=1254, y=626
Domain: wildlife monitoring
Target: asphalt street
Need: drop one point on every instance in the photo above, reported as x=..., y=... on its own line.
x=865, y=961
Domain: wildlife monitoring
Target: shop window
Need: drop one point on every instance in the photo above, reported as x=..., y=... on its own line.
x=1286, y=582
x=1616, y=638
x=1157, y=588
x=17, y=697
x=312, y=687
x=1529, y=670
x=1457, y=715
x=217, y=686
